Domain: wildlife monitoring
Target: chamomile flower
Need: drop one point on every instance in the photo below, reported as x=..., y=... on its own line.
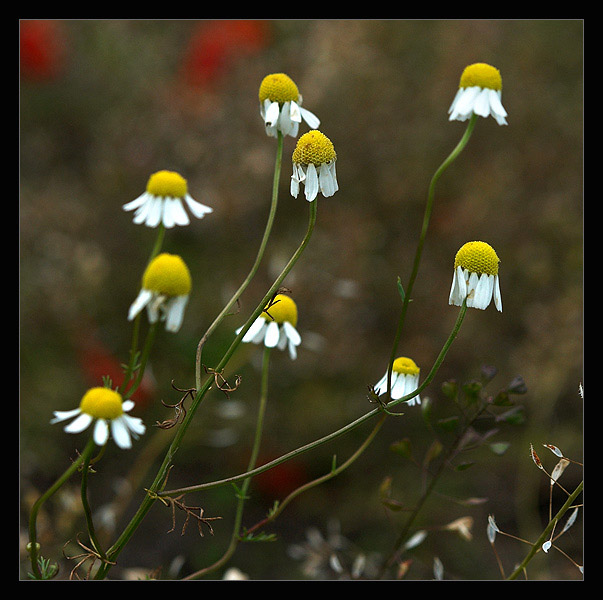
x=314, y=165
x=476, y=276
x=164, y=201
x=280, y=106
x=166, y=285
x=107, y=410
x=480, y=91
x=275, y=327
x=404, y=380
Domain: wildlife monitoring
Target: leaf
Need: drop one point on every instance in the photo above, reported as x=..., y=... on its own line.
x=464, y=466
x=448, y=424
x=499, y=448
x=402, y=448
x=401, y=289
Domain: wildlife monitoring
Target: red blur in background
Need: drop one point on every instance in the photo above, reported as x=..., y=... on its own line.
x=42, y=49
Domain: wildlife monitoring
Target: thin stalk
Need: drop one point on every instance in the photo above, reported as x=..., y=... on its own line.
x=242, y=493
x=227, y=308
x=545, y=535
x=75, y=465
x=164, y=468
x=347, y=428
x=419, y=251
x=86, y=507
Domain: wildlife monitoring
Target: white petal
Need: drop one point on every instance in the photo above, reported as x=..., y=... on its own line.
x=144, y=297
x=127, y=405
x=481, y=106
x=63, y=415
x=175, y=313
x=155, y=214
x=496, y=107
x=292, y=333
x=272, y=334
x=483, y=291
x=310, y=118
x=327, y=187
x=120, y=433
x=292, y=351
x=466, y=101
x=295, y=112
x=254, y=329
x=284, y=121
x=381, y=384
x=272, y=113
x=311, y=183
x=137, y=202
x=79, y=424
x=497, y=296
x=134, y=424
x=282, y=339
x=399, y=387
x=141, y=213
x=101, y=432
x=199, y=210
x=294, y=189
x=452, y=108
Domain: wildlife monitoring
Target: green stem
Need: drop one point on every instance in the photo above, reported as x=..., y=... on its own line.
x=86, y=507
x=545, y=535
x=335, y=434
x=75, y=465
x=419, y=251
x=164, y=468
x=227, y=308
x=144, y=357
x=242, y=493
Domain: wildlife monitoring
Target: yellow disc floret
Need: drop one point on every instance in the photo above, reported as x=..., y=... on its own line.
x=102, y=403
x=477, y=257
x=167, y=184
x=168, y=275
x=282, y=309
x=406, y=366
x=278, y=87
x=481, y=75
x=314, y=147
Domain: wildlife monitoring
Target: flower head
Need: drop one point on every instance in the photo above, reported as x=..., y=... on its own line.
x=404, y=380
x=166, y=285
x=476, y=276
x=280, y=106
x=107, y=409
x=314, y=165
x=479, y=92
x=275, y=326
x=164, y=200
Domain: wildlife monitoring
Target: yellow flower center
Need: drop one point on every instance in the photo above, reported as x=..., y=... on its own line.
x=477, y=257
x=481, y=75
x=406, y=366
x=168, y=275
x=282, y=309
x=314, y=147
x=102, y=403
x=167, y=184
x=278, y=87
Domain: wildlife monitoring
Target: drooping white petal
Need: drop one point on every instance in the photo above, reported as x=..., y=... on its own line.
x=143, y=298
x=271, y=112
x=199, y=210
x=481, y=105
x=79, y=424
x=253, y=330
x=292, y=333
x=497, y=296
x=295, y=112
x=120, y=433
x=175, y=313
x=327, y=186
x=101, y=432
x=63, y=415
x=380, y=386
x=483, y=291
x=398, y=386
x=272, y=335
x=310, y=118
x=155, y=213
x=311, y=183
x=127, y=405
x=134, y=424
x=496, y=107
x=136, y=203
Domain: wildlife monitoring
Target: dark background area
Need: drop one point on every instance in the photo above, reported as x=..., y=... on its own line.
x=105, y=103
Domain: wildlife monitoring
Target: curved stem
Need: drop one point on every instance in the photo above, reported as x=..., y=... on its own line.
x=227, y=308
x=164, y=468
x=335, y=434
x=545, y=535
x=419, y=251
x=75, y=465
x=86, y=506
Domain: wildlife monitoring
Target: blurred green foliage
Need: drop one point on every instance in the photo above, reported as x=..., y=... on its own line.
x=105, y=103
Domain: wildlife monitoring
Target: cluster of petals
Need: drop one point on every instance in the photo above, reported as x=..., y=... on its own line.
x=321, y=179
x=477, y=288
x=401, y=385
x=286, y=117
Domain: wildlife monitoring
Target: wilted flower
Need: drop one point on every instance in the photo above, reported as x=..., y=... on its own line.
x=404, y=380
x=479, y=92
x=314, y=165
x=476, y=276
x=166, y=285
x=275, y=326
x=280, y=106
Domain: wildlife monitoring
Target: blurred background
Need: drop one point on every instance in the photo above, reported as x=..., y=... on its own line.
x=105, y=103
